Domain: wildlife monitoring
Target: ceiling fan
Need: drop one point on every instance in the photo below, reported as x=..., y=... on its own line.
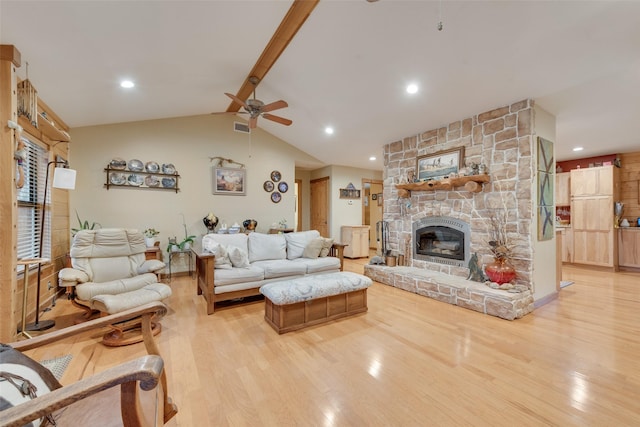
x=256, y=108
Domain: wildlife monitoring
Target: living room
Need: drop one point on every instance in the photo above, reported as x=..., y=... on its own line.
x=195, y=145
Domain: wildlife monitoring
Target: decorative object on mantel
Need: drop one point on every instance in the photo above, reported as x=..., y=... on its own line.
x=471, y=183
x=440, y=165
x=250, y=224
x=27, y=96
x=210, y=221
x=350, y=192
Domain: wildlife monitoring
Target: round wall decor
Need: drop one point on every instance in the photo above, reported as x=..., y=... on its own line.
x=283, y=187
x=276, y=197
x=275, y=176
x=268, y=186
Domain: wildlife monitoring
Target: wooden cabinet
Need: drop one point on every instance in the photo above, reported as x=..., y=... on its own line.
x=593, y=192
x=357, y=239
x=563, y=189
x=566, y=250
x=629, y=247
x=597, y=181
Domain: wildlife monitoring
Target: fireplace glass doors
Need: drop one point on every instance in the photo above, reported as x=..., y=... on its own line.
x=443, y=240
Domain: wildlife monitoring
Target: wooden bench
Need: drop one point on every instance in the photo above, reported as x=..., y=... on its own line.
x=311, y=300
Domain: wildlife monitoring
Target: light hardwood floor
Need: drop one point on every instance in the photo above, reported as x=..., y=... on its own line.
x=408, y=361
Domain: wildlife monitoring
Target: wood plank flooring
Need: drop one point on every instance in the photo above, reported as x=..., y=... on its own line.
x=408, y=361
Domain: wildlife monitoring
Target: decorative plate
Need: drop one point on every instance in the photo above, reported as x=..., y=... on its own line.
x=268, y=186
x=117, y=178
x=151, y=181
x=168, y=168
x=275, y=176
x=152, y=167
x=168, y=182
x=118, y=163
x=135, y=179
x=276, y=197
x=283, y=187
x=135, y=165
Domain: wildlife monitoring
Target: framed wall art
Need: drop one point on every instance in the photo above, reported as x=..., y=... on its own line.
x=440, y=165
x=229, y=181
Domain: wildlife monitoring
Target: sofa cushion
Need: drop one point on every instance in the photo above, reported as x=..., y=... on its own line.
x=313, y=248
x=317, y=265
x=296, y=242
x=280, y=268
x=267, y=247
x=238, y=275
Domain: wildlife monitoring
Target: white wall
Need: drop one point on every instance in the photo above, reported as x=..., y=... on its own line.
x=188, y=143
x=544, y=252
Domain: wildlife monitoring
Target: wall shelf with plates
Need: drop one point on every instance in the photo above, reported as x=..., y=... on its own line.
x=135, y=174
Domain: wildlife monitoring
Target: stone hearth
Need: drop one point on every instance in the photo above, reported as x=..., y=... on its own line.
x=454, y=290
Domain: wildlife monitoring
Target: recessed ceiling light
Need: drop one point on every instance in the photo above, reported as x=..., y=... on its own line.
x=127, y=84
x=328, y=130
x=412, y=88
x=372, y=158
x=578, y=149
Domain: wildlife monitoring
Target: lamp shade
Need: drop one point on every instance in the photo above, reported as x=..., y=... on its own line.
x=64, y=178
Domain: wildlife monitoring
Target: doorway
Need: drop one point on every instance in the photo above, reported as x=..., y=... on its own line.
x=319, y=205
x=372, y=207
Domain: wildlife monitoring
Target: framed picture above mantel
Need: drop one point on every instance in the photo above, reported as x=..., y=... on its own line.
x=440, y=165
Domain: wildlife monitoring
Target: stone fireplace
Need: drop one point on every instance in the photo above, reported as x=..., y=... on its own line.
x=442, y=239
x=440, y=230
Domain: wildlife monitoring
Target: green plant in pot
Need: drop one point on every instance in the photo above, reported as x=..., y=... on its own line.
x=84, y=225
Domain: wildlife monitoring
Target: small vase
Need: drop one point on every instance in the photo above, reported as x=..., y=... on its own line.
x=500, y=271
x=150, y=241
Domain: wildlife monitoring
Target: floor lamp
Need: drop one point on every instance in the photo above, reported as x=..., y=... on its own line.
x=65, y=179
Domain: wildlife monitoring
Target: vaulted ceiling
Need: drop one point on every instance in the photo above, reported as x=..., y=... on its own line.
x=347, y=67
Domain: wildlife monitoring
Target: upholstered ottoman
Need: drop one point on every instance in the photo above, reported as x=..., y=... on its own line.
x=311, y=300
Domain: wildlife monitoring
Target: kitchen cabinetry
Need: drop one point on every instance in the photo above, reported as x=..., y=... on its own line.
x=567, y=244
x=593, y=191
x=357, y=239
x=629, y=247
x=563, y=189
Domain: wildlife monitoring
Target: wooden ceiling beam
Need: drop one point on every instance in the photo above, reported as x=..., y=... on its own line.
x=293, y=20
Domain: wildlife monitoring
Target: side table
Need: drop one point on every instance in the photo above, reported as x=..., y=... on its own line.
x=153, y=253
x=171, y=255
x=27, y=262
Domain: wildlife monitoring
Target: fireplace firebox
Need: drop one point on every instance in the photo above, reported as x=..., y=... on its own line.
x=442, y=239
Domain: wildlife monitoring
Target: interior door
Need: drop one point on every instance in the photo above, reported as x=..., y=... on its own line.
x=319, y=189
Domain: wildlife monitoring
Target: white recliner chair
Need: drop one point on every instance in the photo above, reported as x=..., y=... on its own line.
x=110, y=274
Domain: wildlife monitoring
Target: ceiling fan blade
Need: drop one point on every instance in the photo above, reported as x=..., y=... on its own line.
x=253, y=122
x=277, y=119
x=274, y=106
x=230, y=112
x=236, y=99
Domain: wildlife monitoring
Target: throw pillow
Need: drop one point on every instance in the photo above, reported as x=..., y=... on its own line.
x=19, y=372
x=238, y=257
x=297, y=241
x=222, y=258
x=313, y=248
x=326, y=246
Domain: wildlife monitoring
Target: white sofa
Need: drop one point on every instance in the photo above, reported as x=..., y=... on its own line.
x=230, y=266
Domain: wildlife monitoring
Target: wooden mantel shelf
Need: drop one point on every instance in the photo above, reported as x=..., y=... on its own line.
x=472, y=183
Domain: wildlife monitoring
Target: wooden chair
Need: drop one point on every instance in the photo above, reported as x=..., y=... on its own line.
x=95, y=400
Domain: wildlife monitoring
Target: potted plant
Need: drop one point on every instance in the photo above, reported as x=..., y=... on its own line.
x=185, y=244
x=84, y=225
x=173, y=245
x=150, y=237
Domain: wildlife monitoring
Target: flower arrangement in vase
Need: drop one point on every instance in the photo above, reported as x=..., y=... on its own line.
x=150, y=237
x=502, y=247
